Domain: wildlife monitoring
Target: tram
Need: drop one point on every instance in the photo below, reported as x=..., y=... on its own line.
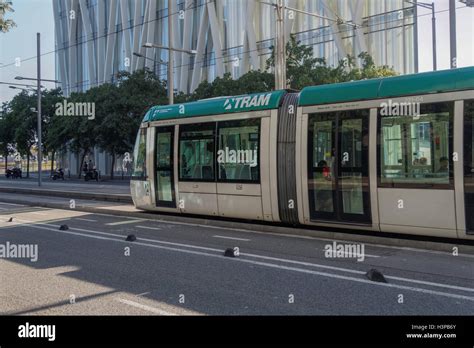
x=388, y=155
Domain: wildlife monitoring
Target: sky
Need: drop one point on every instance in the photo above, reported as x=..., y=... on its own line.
x=32, y=16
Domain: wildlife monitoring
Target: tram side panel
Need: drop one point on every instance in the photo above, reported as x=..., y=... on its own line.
x=223, y=166
x=243, y=187
x=196, y=167
x=416, y=183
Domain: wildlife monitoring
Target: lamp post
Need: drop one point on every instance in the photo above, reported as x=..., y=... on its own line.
x=433, y=31
x=153, y=60
x=38, y=110
x=23, y=89
x=170, y=54
x=170, y=66
x=18, y=84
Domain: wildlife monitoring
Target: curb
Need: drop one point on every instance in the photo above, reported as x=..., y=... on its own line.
x=400, y=241
x=120, y=198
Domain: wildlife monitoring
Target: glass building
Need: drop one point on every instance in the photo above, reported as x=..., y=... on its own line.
x=97, y=38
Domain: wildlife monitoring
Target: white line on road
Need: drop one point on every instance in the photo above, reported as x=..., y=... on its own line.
x=122, y=236
x=123, y=222
x=348, y=253
x=295, y=236
x=331, y=275
x=88, y=220
x=149, y=228
x=341, y=269
x=143, y=293
x=144, y=307
x=242, y=239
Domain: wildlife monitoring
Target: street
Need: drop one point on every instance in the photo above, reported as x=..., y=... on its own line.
x=179, y=268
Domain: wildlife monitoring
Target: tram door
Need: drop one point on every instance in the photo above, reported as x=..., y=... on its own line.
x=338, y=159
x=469, y=164
x=164, y=177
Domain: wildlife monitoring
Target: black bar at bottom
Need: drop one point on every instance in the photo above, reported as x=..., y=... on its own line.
x=393, y=330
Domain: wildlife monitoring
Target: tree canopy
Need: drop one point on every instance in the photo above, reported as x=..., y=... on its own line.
x=6, y=24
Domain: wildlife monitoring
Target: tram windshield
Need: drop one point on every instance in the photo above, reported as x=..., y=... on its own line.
x=139, y=156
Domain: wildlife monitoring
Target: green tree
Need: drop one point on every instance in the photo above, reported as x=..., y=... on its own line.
x=303, y=69
x=6, y=24
x=252, y=82
x=7, y=136
x=24, y=121
x=120, y=110
x=81, y=130
x=55, y=131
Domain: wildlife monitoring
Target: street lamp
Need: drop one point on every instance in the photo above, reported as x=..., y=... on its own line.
x=170, y=54
x=38, y=88
x=154, y=61
x=170, y=67
x=152, y=45
x=23, y=89
x=433, y=30
x=18, y=84
x=33, y=79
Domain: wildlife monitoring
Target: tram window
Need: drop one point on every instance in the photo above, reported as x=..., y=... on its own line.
x=238, y=158
x=414, y=151
x=139, y=156
x=196, y=152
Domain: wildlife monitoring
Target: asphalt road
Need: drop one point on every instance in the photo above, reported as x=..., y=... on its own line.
x=178, y=268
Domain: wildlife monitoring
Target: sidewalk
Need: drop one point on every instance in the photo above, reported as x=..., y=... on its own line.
x=104, y=191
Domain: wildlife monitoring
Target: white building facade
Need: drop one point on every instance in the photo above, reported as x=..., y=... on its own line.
x=97, y=38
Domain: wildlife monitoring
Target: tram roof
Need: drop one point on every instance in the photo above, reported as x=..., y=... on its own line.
x=396, y=86
x=217, y=106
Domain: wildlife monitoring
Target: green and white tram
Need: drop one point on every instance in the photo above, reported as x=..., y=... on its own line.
x=388, y=155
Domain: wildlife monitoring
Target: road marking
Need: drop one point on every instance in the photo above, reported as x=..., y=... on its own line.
x=348, y=253
x=242, y=239
x=447, y=253
x=201, y=225
x=143, y=293
x=331, y=275
x=123, y=222
x=144, y=307
x=88, y=220
x=144, y=239
x=149, y=228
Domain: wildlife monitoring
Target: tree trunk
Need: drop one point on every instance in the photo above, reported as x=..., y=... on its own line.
x=6, y=161
x=112, y=169
x=52, y=161
x=82, y=163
